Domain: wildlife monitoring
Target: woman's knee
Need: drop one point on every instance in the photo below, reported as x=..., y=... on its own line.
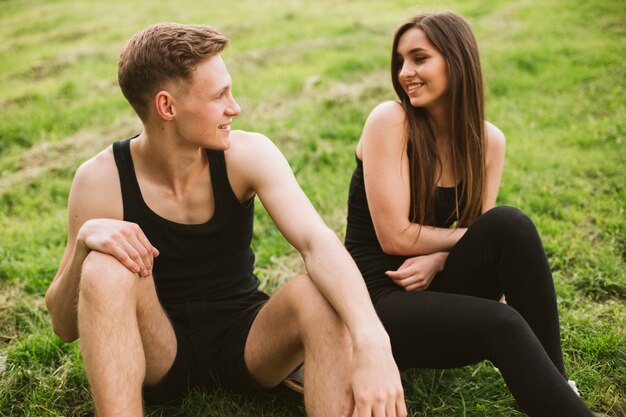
x=508, y=324
x=507, y=222
x=103, y=277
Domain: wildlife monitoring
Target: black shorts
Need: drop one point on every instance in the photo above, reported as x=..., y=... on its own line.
x=211, y=337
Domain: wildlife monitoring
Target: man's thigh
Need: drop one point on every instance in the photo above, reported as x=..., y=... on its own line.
x=275, y=344
x=157, y=334
x=107, y=284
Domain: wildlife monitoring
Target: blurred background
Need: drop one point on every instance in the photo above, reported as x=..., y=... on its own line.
x=307, y=74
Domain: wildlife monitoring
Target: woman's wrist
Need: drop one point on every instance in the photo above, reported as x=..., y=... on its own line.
x=442, y=257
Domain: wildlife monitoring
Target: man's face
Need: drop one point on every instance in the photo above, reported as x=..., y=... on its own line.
x=204, y=111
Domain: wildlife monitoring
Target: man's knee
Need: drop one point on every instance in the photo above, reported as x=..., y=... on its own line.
x=317, y=320
x=309, y=304
x=104, y=277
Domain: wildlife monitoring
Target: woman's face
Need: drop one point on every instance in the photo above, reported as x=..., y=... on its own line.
x=422, y=71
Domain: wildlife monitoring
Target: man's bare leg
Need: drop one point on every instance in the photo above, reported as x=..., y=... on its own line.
x=299, y=324
x=126, y=338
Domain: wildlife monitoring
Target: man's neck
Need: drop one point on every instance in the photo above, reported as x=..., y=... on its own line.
x=165, y=159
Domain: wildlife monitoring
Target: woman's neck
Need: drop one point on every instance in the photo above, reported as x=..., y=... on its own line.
x=438, y=123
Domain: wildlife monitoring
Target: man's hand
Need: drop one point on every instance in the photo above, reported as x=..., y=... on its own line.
x=416, y=274
x=123, y=240
x=375, y=383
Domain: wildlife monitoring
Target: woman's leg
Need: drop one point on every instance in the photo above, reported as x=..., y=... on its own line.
x=437, y=330
x=502, y=253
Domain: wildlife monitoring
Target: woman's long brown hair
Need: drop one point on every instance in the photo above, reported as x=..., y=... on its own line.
x=452, y=36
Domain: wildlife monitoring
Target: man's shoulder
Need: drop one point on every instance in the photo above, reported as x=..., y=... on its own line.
x=242, y=140
x=253, y=159
x=249, y=146
x=95, y=191
x=97, y=177
x=100, y=167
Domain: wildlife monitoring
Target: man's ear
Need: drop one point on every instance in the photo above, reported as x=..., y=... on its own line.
x=164, y=105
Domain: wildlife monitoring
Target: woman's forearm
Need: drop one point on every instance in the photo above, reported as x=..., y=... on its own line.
x=420, y=240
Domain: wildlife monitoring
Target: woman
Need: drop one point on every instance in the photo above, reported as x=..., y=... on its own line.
x=423, y=164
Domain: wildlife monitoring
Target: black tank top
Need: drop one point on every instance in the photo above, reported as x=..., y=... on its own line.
x=209, y=261
x=361, y=240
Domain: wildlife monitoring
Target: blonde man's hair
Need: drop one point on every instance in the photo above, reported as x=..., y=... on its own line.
x=160, y=54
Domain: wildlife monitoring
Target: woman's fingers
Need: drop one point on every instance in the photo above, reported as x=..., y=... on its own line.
x=405, y=277
x=418, y=287
x=413, y=282
x=401, y=273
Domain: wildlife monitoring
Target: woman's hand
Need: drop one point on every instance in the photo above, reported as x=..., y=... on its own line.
x=416, y=274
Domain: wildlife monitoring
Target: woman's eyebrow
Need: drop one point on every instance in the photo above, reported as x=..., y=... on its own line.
x=411, y=52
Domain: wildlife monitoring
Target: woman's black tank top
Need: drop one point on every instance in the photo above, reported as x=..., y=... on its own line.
x=209, y=261
x=361, y=240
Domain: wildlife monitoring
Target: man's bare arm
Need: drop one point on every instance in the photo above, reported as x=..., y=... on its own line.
x=376, y=380
x=94, y=223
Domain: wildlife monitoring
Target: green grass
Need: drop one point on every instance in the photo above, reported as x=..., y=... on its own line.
x=306, y=74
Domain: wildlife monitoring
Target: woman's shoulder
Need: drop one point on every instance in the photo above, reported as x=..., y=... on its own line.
x=384, y=130
x=493, y=134
x=388, y=111
x=388, y=118
x=496, y=142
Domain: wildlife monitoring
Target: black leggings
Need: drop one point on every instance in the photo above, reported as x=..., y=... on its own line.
x=458, y=320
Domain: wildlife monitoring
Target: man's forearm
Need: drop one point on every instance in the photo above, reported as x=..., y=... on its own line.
x=375, y=374
x=62, y=295
x=337, y=277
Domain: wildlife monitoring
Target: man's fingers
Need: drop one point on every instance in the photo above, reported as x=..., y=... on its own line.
x=134, y=255
x=145, y=243
x=348, y=408
x=121, y=255
x=363, y=409
x=123, y=240
x=401, y=410
x=391, y=407
x=379, y=409
x=144, y=253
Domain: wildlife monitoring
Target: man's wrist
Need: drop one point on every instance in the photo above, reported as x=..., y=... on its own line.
x=81, y=250
x=367, y=337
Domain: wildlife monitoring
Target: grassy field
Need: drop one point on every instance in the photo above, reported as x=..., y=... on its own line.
x=306, y=74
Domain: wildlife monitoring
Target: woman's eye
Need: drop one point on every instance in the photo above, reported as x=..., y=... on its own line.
x=419, y=58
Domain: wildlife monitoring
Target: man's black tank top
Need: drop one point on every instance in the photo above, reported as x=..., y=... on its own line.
x=361, y=240
x=209, y=261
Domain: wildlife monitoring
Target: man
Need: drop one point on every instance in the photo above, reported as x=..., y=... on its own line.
x=157, y=275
